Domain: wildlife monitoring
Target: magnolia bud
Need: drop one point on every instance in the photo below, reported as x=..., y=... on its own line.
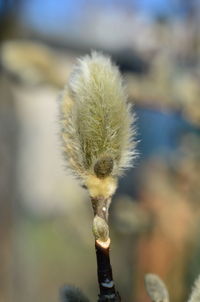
x=195, y=294
x=100, y=229
x=156, y=288
x=96, y=120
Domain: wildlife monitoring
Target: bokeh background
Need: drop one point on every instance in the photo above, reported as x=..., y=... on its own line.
x=45, y=217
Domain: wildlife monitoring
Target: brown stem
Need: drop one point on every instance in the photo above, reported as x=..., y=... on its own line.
x=105, y=278
x=100, y=206
x=104, y=270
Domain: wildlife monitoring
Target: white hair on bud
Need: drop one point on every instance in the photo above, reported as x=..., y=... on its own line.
x=96, y=119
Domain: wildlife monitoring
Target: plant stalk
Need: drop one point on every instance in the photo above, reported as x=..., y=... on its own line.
x=104, y=269
x=105, y=278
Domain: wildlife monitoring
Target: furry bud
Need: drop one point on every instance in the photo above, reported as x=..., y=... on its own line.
x=156, y=288
x=100, y=229
x=96, y=120
x=195, y=295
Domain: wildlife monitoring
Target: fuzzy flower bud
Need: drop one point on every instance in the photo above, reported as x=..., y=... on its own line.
x=156, y=288
x=195, y=295
x=96, y=123
x=100, y=229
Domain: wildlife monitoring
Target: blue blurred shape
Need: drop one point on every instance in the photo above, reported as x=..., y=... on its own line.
x=158, y=132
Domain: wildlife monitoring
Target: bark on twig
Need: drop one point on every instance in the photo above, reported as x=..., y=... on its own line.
x=105, y=278
x=104, y=270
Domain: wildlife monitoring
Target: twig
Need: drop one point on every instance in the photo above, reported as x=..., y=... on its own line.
x=102, y=246
x=105, y=278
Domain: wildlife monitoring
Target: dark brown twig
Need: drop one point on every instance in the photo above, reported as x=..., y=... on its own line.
x=105, y=278
x=104, y=270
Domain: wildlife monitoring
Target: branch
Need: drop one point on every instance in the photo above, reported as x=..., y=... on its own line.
x=105, y=278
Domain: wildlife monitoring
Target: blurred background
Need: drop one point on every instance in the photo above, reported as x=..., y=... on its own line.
x=45, y=217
